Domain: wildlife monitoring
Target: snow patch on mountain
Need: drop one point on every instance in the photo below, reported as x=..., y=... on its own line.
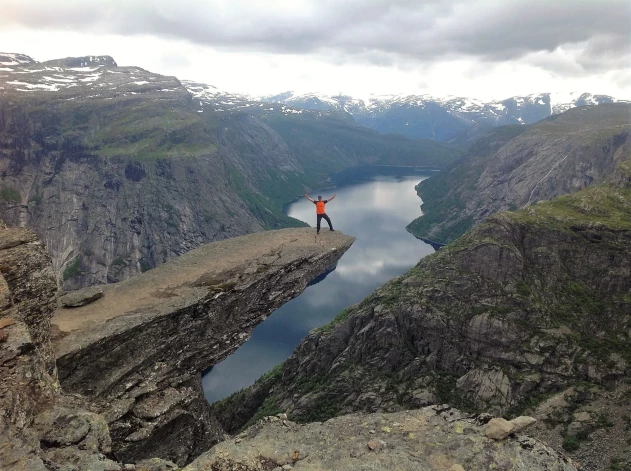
x=85, y=77
x=518, y=109
x=10, y=58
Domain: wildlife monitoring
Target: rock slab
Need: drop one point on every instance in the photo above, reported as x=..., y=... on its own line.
x=138, y=351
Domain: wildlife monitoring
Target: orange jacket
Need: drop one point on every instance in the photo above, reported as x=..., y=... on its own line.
x=320, y=207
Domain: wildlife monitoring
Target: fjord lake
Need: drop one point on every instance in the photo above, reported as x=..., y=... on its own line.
x=373, y=205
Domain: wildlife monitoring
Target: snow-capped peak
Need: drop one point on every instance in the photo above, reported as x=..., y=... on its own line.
x=12, y=59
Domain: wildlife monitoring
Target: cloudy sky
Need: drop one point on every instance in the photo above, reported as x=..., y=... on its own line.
x=478, y=48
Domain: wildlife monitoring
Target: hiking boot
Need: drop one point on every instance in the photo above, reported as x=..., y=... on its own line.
x=332, y=230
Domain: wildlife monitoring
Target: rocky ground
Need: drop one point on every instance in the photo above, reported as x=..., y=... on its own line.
x=591, y=422
x=43, y=428
x=436, y=438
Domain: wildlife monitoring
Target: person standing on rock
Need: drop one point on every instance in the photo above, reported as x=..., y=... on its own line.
x=320, y=212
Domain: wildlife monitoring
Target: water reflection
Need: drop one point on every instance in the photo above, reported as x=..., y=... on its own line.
x=376, y=213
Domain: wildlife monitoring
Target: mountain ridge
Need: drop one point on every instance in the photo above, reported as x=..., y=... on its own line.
x=425, y=116
x=513, y=167
x=120, y=169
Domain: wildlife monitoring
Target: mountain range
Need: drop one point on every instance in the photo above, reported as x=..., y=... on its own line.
x=442, y=119
x=120, y=169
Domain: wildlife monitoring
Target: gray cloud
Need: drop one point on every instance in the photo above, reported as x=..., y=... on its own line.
x=369, y=31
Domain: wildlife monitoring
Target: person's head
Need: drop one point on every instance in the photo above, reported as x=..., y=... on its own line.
x=319, y=197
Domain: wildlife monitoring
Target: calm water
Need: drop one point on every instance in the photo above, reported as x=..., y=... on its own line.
x=376, y=213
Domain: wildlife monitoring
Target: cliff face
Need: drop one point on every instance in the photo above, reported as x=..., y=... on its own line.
x=107, y=207
x=514, y=167
x=160, y=411
x=40, y=429
x=138, y=351
x=527, y=304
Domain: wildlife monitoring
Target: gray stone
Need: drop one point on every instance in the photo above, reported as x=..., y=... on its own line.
x=583, y=416
x=156, y=464
x=498, y=428
x=173, y=322
x=522, y=422
x=81, y=297
x=67, y=429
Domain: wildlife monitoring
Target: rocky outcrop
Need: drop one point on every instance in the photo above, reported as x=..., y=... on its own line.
x=40, y=429
x=435, y=438
x=526, y=304
x=137, y=353
x=514, y=167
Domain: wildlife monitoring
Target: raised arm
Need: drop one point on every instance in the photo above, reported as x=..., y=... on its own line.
x=310, y=199
x=334, y=195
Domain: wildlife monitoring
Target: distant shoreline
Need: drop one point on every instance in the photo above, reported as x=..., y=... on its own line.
x=366, y=171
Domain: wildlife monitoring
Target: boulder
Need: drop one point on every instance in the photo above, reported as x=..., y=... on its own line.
x=81, y=297
x=498, y=428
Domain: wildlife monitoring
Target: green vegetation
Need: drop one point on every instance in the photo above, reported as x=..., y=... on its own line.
x=341, y=317
x=163, y=132
x=528, y=403
x=603, y=205
x=144, y=265
x=72, y=269
x=267, y=211
x=523, y=289
x=446, y=194
x=324, y=408
x=119, y=262
x=571, y=443
x=9, y=195
x=310, y=383
x=269, y=407
x=619, y=464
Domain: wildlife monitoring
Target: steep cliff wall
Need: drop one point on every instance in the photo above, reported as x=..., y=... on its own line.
x=106, y=213
x=40, y=429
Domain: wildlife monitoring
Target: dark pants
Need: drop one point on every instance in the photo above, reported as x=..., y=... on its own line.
x=326, y=218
